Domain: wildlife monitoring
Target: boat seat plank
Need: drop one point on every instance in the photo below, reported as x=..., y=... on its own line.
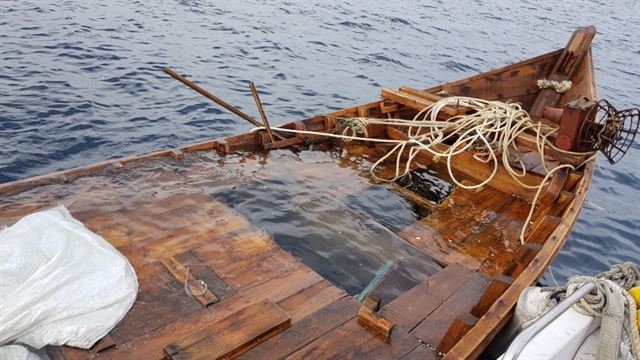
x=306, y=330
x=232, y=335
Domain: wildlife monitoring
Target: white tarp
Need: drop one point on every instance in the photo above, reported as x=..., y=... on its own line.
x=60, y=283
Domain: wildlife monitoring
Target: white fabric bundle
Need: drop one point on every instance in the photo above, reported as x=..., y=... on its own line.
x=60, y=283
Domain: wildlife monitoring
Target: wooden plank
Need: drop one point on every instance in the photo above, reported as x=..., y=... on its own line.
x=306, y=330
x=449, y=110
x=565, y=67
x=476, y=340
x=503, y=83
x=336, y=343
x=233, y=335
x=422, y=352
x=197, y=288
x=530, y=142
x=379, y=348
x=366, y=317
x=541, y=230
x=498, y=285
x=410, y=308
x=202, y=271
x=456, y=331
x=311, y=300
x=150, y=346
x=257, y=269
x=433, y=328
x=226, y=251
x=522, y=259
x=465, y=164
x=74, y=353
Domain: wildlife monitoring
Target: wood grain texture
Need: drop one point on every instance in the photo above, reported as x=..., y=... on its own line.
x=233, y=335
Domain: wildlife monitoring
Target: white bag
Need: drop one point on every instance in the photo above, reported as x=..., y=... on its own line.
x=60, y=283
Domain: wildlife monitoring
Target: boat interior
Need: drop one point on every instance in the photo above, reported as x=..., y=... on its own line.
x=254, y=249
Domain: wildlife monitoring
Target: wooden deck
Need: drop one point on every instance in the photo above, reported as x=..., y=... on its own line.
x=261, y=302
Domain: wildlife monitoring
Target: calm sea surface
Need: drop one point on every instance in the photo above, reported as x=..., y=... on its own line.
x=82, y=81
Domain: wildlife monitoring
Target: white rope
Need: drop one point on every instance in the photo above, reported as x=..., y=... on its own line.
x=490, y=132
x=611, y=301
x=560, y=87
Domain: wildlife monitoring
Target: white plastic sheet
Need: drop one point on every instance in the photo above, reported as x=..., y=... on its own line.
x=60, y=283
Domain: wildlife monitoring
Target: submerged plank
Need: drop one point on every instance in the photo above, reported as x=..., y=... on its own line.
x=306, y=330
x=232, y=335
x=410, y=308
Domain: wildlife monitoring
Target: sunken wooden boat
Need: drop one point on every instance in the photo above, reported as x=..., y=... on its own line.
x=278, y=239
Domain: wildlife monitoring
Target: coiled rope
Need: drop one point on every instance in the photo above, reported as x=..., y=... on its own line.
x=611, y=301
x=490, y=131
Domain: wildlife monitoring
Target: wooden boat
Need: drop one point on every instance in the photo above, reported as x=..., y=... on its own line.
x=240, y=215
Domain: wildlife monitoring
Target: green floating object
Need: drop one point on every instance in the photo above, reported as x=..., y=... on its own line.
x=377, y=278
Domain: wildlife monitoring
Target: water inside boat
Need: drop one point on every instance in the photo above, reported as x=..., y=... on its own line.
x=317, y=205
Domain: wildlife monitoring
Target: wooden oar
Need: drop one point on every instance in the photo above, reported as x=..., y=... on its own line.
x=263, y=115
x=215, y=99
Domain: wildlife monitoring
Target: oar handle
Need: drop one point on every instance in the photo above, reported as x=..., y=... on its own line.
x=212, y=97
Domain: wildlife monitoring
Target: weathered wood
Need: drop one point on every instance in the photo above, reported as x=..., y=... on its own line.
x=284, y=143
x=565, y=67
x=336, y=343
x=410, y=308
x=201, y=271
x=522, y=259
x=465, y=164
x=233, y=335
x=196, y=288
x=456, y=331
x=476, y=340
x=263, y=114
x=530, y=142
x=310, y=300
x=498, y=285
x=449, y=110
x=512, y=81
x=399, y=344
x=433, y=328
x=540, y=231
x=367, y=317
x=73, y=353
x=422, y=352
x=151, y=347
x=306, y=330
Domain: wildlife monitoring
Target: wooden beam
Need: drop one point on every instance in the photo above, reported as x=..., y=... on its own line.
x=367, y=317
x=565, y=67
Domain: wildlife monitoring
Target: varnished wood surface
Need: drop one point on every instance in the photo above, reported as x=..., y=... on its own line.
x=160, y=212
